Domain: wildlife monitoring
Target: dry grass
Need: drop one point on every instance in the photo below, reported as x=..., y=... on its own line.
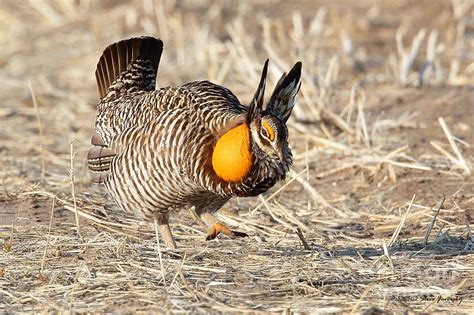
x=375, y=215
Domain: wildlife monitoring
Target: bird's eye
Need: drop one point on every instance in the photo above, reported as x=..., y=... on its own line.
x=267, y=131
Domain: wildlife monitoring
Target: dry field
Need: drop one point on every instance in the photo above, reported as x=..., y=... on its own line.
x=377, y=215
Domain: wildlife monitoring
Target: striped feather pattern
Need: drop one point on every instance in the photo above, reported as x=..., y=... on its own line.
x=284, y=96
x=153, y=148
x=161, y=163
x=138, y=56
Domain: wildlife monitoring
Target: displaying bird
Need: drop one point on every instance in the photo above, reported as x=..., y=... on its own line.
x=195, y=145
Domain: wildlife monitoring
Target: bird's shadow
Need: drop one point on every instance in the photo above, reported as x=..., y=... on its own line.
x=437, y=249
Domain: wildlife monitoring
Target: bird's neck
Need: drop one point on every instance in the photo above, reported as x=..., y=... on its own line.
x=232, y=158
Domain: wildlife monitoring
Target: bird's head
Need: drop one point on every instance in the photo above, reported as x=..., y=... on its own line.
x=268, y=131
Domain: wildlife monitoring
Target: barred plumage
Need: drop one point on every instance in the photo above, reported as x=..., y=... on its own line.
x=155, y=150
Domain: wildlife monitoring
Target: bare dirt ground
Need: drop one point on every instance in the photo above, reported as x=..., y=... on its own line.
x=382, y=135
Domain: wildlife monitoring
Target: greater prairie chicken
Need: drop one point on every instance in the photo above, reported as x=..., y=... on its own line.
x=194, y=145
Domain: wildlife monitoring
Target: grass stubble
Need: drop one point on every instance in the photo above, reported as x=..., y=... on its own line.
x=375, y=213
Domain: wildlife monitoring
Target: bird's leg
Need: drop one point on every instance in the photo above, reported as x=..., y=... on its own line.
x=217, y=227
x=165, y=231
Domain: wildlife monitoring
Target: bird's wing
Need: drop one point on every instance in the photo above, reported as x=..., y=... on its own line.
x=217, y=107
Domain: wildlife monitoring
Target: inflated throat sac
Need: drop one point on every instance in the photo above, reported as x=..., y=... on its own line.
x=232, y=158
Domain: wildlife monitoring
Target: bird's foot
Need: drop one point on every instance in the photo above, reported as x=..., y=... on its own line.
x=218, y=228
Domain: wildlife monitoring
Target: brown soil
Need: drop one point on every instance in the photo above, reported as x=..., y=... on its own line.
x=359, y=172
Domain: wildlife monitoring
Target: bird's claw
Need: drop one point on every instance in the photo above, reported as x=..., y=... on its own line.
x=219, y=228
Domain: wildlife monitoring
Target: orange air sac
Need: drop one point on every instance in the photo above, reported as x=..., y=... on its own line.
x=232, y=158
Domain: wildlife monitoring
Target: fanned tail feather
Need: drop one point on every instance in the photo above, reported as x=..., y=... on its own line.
x=125, y=66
